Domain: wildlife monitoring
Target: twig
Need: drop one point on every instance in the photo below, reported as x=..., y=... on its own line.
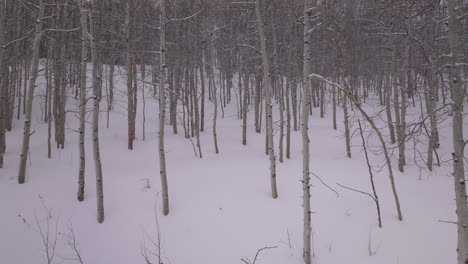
x=375, y=197
x=326, y=185
x=351, y=189
x=448, y=222
x=247, y=261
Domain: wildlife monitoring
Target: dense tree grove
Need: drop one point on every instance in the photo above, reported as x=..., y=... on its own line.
x=275, y=59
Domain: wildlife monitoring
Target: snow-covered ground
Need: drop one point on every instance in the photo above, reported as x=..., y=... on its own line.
x=221, y=207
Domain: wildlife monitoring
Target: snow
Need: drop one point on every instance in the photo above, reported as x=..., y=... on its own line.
x=221, y=206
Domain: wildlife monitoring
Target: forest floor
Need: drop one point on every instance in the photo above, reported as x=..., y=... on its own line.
x=221, y=209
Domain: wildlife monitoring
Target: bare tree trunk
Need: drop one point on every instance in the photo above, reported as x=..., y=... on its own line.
x=322, y=101
x=258, y=115
x=32, y=86
x=245, y=109
x=3, y=83
x=334, y=107
x=162, y=109
x=215, y=103
x=202, y=106
x=48, y=108
x=111, y=85
x=387, y=109
x=96, y=89
x=196, y=112
x=84, y=52
x=396, y=106
x=346, y=125
x=458, y=142
x=306, y=104
x=404, y=103
x=130, y=74
x=143, y=77
x=268, y=103
x=281, y=112
x=288, y=121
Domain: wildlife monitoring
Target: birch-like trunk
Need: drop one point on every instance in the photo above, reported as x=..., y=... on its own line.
x=457, y=126
x=281, y=112
x=402, y=156
x=346, y=125
x=96, y=152
x=215, y=103
x=334, y=107
x=81, y=146
x=268, y=103
x=387, y=109
x=3, y=83
x=244, y=109
x=143, y=77
x=130, y=74
x=162, y=109
x=307, y=235
x=32, y=87
x=288, y=121
x=396, y=105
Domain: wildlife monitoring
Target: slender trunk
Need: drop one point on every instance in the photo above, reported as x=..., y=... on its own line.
x=334, y=107
x=288, y=121
x=202, y=106
x=306, y=104
x=3, y=84
x=245, y=109
x=281, y=112
x=32, y=86
x=268, y=103
x=322, y=101
x=402, y=160
x=458, y=141
x=346, y=125
x=130, y=75
x=143, y=77
x=387, y=109
x=396, y=106
x=215, y=103
x=162, y=109
x=111, y=85
x=48, y=108
x=96, y=89
x=84, y=52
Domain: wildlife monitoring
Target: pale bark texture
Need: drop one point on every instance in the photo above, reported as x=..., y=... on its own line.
x=307, y=235
x=3, y=83
x=162, y=110
x=458, y=141
x=32, y=87
x=96, y=152
x=81, y=146
x=269, y=105
x=387, y=109
x=244, y=109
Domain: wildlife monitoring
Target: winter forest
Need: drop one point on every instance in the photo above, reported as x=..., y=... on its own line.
x=233, y=131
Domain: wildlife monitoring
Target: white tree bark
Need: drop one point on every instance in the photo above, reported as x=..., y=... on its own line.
x=3, y=73
x=81, y=146
x=307, y=249
x=269, y=105
x=162, y=109
x=458, y=141
x=32, y=86
x=96, y=152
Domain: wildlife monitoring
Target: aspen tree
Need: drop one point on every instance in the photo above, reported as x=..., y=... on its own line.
x=32, y=86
